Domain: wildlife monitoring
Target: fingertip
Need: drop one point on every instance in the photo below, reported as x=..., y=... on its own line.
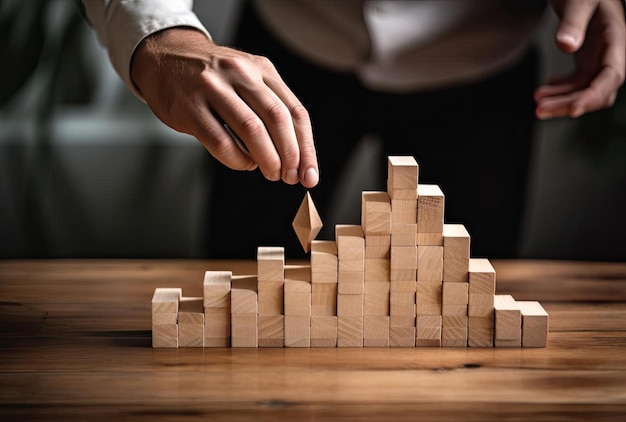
x=567, y=41
x=310, y=178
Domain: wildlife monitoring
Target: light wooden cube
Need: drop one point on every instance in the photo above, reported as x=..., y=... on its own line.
x=480, y=331
x=297, y=331
x=456, y=242
x=402, y=172
x=244, y=295
x=375, y=331
x=430, y=263
x=349, y=305
x=482, y=277
x=403, y=286
x=375, y=212
x=324, y=331
x=244, y=330
x=454, y=331
x=216, y=288
x=403, y=257
x=377, y=246
x=508, y=318
x=535, y=321
x=350, y=282
x=404, y=211
x=324, y=300
x=270, y=263
x=402, y=274
x=349, y=331
x=429, y=239
x=350, y=241
x=401, y=304
x=376, y=270
x=428, y=331
x=430, y=209
x=216, y=323
x=376, y=299
x=428, y=299
x=454, y=293
x=165, y=336
x=271, y=331
x=323, y=256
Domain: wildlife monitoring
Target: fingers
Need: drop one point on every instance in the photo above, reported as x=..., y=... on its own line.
x=575, y=16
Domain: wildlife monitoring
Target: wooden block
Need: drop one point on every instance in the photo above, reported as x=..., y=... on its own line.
x=270, y=263
x=349, y=305
x=454, y=293
x=271, y=302
x=350, y=282
x=403, y=286
x=324, y=300
x=402, y=274
x=297, y=331
x=166, y=301
x=403, y=234
x=535, y=322
x=350, y=241
x=216, y=289
x=482, y=277
x=430, y=209
x=429, y=239
x=191, y=335
x=375, y=212
x=402, y=321
x=454, y=331
x=324, y=342
x=217, y=341
x=508, y=319
x=428, y=299
x=297, y=304
x=271, y=328
x=401, y=304
x=349, y=331
x=402, y=172
x=376, y=299
x=406, y=194
x=244, y=295
x=401, y=336
x=480, y=331
x=455, y=269
x=164, y=318
x=429, y=264
x=403, y=258
x=216, y=323
x=323, y=257
x=165, y=336
x=351, y=265
x=307, y=222
x=244, y=328
x=324, y=327
x=456, y=242
x=480, y=305
x=377, y=246
x=453, y=310
x=298, y=277
x=191, y=311
x=376, y=270
x=324, y=278
x=428, y=330
x=375, y=331
x=404, y=211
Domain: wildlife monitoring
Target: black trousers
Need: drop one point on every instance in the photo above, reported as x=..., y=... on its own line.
x=474, y=141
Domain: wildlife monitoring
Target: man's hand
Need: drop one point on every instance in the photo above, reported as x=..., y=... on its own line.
x=195, y=86
x=594, y=32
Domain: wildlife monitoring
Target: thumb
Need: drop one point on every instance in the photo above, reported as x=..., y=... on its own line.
x=575, y=16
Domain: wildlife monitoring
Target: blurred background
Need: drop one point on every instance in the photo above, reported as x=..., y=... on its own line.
x=86, y=170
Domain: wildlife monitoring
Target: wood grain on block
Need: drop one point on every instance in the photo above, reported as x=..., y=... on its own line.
x=244, y=326
x=270, y=263
x=217, y=341
x=191, y=311
x=165, y=336
x=429, y=239
x=351, y=265
x=216, y=288
x=429, y=263
x=350, y=241
x=403, y=286
x=271, y=327
x=454, y=310
x=271, y=342
x=350, y=282
x=404, y=211
x=402, y=172
x=535, y=322
x=324, y=278
x=456, y=242
x=403, y=234
x=428, y=330
x=324, y=300
x=375, y=212
x=349, y=305
x=454, y=331
x=216, y=323
x=480, y=305
x=430, y=209
x=300, y=273
x=349, y=331
x=376, y=299
x=406, y=194
x=297, y=293
x=428, y=299
x=164, y=318
x=323, y=257
x=297, y=331
x=190, y=335
x=324, y=327
x=396, y=274
x=297, y=304
x=402, y=321
x=376, y=270
x=244, y=295
x=482, y=277
x=271, y=301
x=455, y=269
x=455, y=293
x=377, y=246
x=324, y=342
x=403, y=258
x=401, y=336
x=375, y=331
x=401, y=304
x=508, y=318
x=166, y=300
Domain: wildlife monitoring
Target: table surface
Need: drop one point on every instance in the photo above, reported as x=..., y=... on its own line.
x=75, y=343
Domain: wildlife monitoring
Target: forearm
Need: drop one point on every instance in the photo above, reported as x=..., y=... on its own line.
x=122, y=25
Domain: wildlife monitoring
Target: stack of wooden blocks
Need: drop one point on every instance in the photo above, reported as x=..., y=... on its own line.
x=403, y=278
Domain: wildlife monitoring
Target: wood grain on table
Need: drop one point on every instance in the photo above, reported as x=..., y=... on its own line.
x=75, y=345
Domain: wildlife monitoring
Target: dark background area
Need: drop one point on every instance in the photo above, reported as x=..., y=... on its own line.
x=87, y=171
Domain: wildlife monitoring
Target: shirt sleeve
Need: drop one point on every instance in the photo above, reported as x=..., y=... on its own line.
x=122, y=24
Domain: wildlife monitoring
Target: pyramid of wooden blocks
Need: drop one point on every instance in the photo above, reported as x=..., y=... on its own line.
x=307, y=223
x=401, y=278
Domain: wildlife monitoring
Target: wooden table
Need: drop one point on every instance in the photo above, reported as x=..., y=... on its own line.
x=75, y=344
